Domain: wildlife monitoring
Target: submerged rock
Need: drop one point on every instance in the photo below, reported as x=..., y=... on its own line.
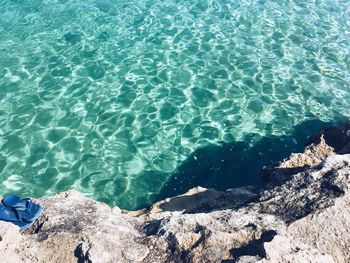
x=301, y=215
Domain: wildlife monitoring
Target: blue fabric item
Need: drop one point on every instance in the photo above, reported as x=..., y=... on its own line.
x=15, y=201
x=8, y=215
x=24, y=209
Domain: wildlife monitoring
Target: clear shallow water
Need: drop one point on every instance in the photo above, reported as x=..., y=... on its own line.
x=111, y=97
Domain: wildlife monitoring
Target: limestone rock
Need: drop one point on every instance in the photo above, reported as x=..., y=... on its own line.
x=313, y=155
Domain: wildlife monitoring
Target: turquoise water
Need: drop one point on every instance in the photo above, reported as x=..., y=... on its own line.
x=112, y=97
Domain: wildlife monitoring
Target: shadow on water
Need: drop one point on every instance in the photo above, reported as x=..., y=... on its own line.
x=237, y=164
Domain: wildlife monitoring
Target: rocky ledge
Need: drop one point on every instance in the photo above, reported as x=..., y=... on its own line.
x=301, y=215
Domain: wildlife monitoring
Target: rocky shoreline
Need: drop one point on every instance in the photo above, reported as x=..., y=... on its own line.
x=301, y=215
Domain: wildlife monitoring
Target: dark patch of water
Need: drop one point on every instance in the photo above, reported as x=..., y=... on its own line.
x=238, y=164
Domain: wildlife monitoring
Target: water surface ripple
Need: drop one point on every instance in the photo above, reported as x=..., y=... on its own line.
x=110, y=97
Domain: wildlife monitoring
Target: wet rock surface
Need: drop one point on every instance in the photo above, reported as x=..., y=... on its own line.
x=301, y=215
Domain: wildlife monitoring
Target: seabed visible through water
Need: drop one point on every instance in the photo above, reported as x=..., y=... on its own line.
x=132, y=101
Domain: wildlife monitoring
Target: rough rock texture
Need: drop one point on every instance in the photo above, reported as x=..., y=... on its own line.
x=313, y=155
x=302, y=215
